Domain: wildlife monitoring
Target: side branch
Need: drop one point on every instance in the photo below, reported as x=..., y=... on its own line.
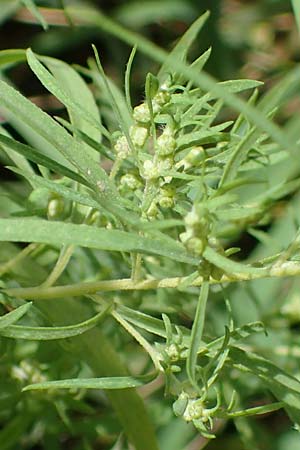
x=287, y=269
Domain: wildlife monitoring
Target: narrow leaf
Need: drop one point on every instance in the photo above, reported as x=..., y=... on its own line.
x=181, y=49
x=12, y=56
x=31, y=6
x=94, y=383
x=51, y=333
x=13, y=316
x=66, y=192
x=58, y=233
x=196, y=335
x=37, y=157
x=284, y=387
x=60, y=92
x=231, y=267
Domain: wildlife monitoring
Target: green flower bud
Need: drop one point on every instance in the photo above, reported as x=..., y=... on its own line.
x=195, y=245
x=180, y=405
x=39, y=198
x=165, y=163
x=193, y=411
x=138, y=135
x=185, y=236
x=173, y=352
x=194, y=157
x=150, y=170
x=130, y=181
x=141, y=113
x=56, y=208
x=152, y=211
x=166, y=202
x=162, y=97
x=166, y=144
x=122, y=148
x=191, y=219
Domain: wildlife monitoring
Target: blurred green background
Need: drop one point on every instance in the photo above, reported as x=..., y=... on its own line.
x=256, y=39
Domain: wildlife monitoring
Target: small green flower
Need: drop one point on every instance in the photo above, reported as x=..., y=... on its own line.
x=138, y=135
x=166, y=143
x=122, y=148
x=150, y=170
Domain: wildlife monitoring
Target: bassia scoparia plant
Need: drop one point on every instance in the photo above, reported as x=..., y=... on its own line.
x=123, y=264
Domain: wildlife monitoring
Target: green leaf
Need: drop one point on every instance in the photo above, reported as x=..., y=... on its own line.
x=12, y=432
x=114, y=96
x=285, y=387
x=182, y=47
x=98, y=147
x=59, y=233
x=148, y=323
x=42, y=124
x=196, y=335
x=12, y=56
x=78, y=92
x=51, y=333
x=13, y=316
x=8, y=9
x=137, y=14
x=231, y=267
x=94, y=383
x=203, y=80
x=37, y=157
x=19, y=160
x=66, y=192
x=31, y=6
x=235, y=86
x=64, y=92
x=296, y=7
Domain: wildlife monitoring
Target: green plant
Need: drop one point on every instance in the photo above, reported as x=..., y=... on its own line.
x=131, y=222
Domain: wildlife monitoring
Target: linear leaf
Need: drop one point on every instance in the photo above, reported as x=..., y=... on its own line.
x=296, y=7
x=31, y=6
x=12, y=56
x=229, y=266
x=94, y=383
x=285, y=387
x=146, y=322
x=19, y=160
x=37, y=157
x=51, y=333
x=196, y=335
x=235, y=86
x=79, y=93
x=13, y=316
x=56, y=135
x=203, y=80
x=58, y=233
x=181, y=49
x=64, y=191
x=58, y=89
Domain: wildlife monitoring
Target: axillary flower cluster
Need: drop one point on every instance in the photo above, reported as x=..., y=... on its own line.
x=153, y=166
x=154, y=154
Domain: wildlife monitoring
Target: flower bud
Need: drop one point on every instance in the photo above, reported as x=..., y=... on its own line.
x=166, y=143
x=138, y=135
x=141, y=113
x=55, y=208
x=130, y=181
x=166, y=202
x=122, y=148
x=150, y=170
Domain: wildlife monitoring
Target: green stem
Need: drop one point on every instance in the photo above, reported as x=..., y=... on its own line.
x=288, y=269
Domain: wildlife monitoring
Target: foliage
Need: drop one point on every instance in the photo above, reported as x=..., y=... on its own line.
x=123, y=263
